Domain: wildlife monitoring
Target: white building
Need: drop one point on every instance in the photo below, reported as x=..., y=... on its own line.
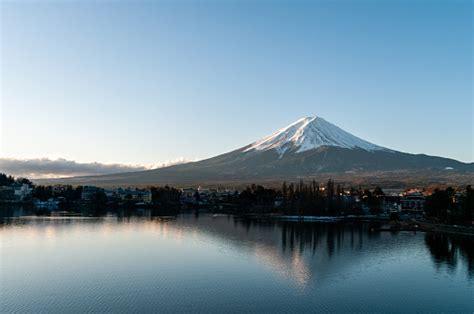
x=23, y=191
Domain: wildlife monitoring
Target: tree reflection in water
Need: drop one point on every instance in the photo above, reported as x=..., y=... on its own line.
x=446, y=249
x=333, y=238
x=322, y=244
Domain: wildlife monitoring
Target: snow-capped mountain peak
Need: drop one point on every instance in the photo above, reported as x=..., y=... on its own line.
x=310, y=133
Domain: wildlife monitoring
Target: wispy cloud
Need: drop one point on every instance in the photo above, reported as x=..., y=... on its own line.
x=60, y=168
x=172, y=162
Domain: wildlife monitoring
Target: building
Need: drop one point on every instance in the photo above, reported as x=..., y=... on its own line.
x=146, y=196
x=391, y=203
x=188, y=191
x=413, y=201
x=88, y=192
x=22, y=190
x=137, y=195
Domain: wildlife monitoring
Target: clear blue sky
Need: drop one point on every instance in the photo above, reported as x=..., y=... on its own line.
x=145, y=82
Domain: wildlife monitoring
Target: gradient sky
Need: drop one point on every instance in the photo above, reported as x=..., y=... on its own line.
x=144, y=82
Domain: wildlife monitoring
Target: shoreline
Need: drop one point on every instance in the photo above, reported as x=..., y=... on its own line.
x=408, y=225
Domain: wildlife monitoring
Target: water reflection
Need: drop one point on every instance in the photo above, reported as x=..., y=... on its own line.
x=447, y=250
x=337, y=241
x=300, y=250
x=191, y=261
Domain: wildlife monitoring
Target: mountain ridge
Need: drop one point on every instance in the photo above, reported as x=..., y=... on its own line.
x=309, y=147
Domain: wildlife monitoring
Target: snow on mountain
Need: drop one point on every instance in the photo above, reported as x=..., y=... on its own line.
x=345, y=155
x=310, y=133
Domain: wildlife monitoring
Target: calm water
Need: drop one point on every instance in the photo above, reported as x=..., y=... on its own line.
x=226, y=264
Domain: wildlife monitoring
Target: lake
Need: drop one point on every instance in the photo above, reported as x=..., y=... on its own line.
x=208, y=263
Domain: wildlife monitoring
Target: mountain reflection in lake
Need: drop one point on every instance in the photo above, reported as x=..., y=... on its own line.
x=211, y=263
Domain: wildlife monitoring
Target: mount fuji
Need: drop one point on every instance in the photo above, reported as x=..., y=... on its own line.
x=311, y=147
x=307, y=134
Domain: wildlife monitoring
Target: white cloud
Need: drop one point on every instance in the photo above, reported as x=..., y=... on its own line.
x=57, y=168
x=167, y=163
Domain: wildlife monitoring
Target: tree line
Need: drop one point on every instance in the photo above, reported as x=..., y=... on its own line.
x=449, y=206
x=311, y=199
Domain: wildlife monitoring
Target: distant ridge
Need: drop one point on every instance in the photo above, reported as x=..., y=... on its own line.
x=310, y=147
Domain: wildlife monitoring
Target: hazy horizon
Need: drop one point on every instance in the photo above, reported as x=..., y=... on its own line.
x=47, y=168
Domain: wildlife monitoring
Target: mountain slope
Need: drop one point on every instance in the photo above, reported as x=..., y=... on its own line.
x=307, y=148
x=310, y=133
